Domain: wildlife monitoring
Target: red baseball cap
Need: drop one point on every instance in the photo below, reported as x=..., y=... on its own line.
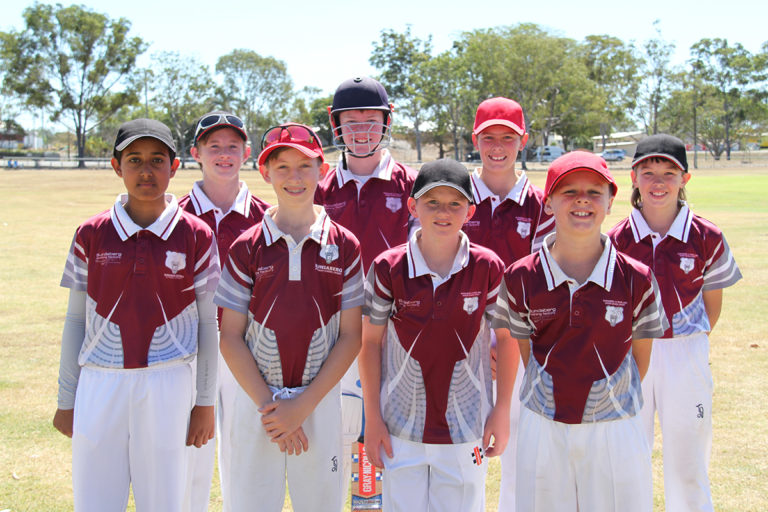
x=577, y=161
x=291, y=135
x=499, y=111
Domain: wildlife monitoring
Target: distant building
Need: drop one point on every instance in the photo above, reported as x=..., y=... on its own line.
x=618, y=140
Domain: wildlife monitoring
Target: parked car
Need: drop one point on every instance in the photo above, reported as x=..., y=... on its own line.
x=613, y=155
x=547, y=153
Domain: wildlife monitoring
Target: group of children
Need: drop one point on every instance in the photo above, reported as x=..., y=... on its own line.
x=443, y=281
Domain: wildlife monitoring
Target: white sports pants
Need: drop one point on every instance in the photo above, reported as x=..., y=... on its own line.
x=679, y=386
x=351, y=419
x=259, y=469
x=130, y=429
x=595, y=467
x=202, y=460
x=509, y=457
x=433, y=477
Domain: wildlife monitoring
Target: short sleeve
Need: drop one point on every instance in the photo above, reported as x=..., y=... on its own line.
x=75, y=274
x=236, y=283
x=378, y=293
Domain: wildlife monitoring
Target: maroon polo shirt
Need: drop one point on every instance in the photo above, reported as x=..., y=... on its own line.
x=692, y=258
x=377, y=213
x=512, y=226
x=293, y=293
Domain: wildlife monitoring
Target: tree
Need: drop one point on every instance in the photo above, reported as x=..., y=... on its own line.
x=448, y=98
x=734, y=75
x=71, y=61
x=401, y=57
x=541, y=71
x=658, y=78
x=183, y=90
x=615, y=67
x=257, y=88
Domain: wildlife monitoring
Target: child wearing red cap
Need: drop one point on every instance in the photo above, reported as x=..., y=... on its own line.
x=292, y=290
x=693, y=263
x=584, y=315
x=509, y=219
x=226, y=205
x=140, y=325
x=425, y=361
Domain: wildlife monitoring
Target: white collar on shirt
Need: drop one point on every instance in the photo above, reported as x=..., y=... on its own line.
x=162, y=227
x=482, y=192
x=203, y=204
x=317, y=232
x=679, y=229
x=417, y=266
x=383, y=171
x=602, y=274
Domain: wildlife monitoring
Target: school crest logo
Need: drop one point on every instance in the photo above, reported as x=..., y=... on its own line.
x=614, y=315
x=329, y=253
x=523, y=228
x=393, y=204
x=470, y=304
x=686, y=264
x=175, y=261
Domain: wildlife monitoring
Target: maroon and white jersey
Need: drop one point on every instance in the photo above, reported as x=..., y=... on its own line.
x=246, y=211
x=692, y=258
x=293, y=294
x=436, y=382
x=513, y=226
x=141, y=285
x=581, y=368
x=376, y=211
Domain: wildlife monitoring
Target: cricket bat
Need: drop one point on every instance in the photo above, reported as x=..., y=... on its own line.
x=366, y=481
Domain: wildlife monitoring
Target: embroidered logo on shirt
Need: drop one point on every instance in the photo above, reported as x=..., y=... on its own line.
x=523, y=227
x=403, y=304
x=543, y=314
x=470, y=304
x=393, y=204
x=263, y=272
x=614, y=314
x=329, y=253
x=175, y=261
x=108, y=258
x=686, y=264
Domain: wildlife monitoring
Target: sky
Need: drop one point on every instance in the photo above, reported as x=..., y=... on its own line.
x=324, y=43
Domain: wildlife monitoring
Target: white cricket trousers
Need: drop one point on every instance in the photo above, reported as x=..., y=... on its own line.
x=351, y=419
x=508, y=458
x=130, y=430
x=202, y=460
x=594, y=467
x=259, y=469
x=679, y=387
x=433, y=477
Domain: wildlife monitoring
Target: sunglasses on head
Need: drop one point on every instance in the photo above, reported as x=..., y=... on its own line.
x=288, y=133
x=214, y=119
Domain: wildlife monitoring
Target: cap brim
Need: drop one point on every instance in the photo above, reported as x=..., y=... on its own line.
x=127, y=142
x=305, y=150
x=434, y=184
x=553, y=186
x=664, y=156
x=503, y=122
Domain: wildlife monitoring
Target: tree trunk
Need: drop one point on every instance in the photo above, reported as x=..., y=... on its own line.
x=80, y=148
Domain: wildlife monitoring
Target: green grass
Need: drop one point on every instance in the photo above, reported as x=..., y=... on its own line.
x=39, y=211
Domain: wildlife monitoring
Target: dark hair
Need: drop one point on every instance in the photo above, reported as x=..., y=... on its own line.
x=637, y=201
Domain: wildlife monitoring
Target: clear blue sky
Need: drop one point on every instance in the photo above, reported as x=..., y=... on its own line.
x=325, y=42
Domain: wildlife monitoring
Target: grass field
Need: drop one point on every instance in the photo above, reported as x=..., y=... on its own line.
x=39, y=211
